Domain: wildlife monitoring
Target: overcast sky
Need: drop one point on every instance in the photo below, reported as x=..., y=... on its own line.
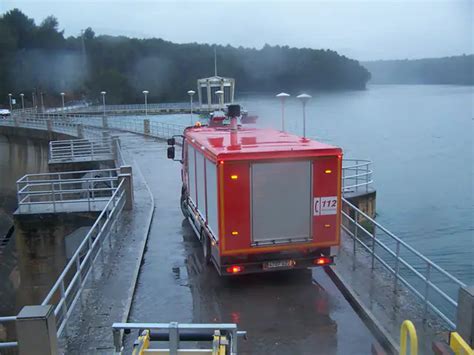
x=365, y=30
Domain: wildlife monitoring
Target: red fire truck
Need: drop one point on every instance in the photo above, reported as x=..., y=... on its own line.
x=260, y=199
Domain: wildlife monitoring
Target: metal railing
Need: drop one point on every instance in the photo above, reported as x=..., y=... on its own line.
x=65, y=293
x=356, y=175
x=173, y=329
x=81, y=150
x=136, y=107
x=60, y=190
x=67, y=288
x=48, y=122
x=91, y=123
x=161, y=130
x=435, y=287
x=8, y=344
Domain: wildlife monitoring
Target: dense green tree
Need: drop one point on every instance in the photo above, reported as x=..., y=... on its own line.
x=38, y=57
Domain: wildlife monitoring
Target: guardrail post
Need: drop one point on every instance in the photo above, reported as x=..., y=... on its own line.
x=126, y=175
x=105, y=122
x=80, y=130
x=116, y=147
x=146, y=126
x=356, y=230
x=465, y=314
x=49, y=125
x=36, y=328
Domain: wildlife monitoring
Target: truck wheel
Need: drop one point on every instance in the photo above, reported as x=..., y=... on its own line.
x=206, y=247
x=184, y=206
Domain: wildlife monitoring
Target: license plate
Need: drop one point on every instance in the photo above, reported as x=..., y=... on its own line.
x=277, y=264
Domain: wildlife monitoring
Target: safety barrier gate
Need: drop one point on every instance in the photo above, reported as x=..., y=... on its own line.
x=223, y=338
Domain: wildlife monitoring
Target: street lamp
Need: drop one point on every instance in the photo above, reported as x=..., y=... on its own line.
x=10, y=100
x=103, y=101
x=33, y=99
x=22, y=101
x=191, y=93
x=146, y=92
x=42, y=102
x=220, y=95
x=62, y=99
x=282, y=96
x=304, y=99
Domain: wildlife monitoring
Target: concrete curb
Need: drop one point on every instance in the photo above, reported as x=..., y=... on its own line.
x=128, y=307
x=380, y=333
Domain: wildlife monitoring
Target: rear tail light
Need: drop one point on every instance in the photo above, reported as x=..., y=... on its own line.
x=322, y=260
x=235, y=269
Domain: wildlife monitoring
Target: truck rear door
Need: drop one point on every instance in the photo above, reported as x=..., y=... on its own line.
x=281, y=202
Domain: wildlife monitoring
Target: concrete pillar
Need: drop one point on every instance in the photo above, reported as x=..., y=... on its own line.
x=127, y=180
x=105, y=122
x=465, y=314
x=36, y=330
x=146, y=126
x=80, y=131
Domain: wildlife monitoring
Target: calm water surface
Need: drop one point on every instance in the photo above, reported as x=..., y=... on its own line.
x=420, y=139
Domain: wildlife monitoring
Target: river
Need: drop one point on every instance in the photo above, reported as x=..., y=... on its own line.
x=420, y=139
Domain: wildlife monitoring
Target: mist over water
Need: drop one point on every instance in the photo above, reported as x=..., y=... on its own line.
x=420, y=141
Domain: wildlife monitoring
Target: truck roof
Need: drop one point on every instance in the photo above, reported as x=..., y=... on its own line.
x=255, y=143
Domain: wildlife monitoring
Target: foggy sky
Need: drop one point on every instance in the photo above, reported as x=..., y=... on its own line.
x=364, y=30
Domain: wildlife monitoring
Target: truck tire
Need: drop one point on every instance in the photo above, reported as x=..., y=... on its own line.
x=184, y=205
x=206, y=247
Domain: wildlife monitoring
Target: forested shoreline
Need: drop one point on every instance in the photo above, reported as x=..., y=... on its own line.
x=39, y=58
x=455, y=70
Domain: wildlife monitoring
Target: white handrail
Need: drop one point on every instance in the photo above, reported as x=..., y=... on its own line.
x=396, y=248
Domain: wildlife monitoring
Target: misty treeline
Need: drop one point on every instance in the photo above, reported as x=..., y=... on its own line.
x=457, y=70
x=39, y=58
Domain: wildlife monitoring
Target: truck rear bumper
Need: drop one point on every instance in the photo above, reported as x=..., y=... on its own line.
x=246, y=267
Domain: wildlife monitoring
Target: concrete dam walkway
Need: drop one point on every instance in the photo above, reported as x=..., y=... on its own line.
x=286, y=312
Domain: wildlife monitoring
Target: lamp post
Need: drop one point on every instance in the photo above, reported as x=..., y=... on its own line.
x=10, y=101
x=304, y=99
x=42, y=102
x=220, y=95
x=103, y=102
x=22, y=101
x=191, y=93
x=62, y=100
x=146, y=92
x=33, y=99
x=282, y=96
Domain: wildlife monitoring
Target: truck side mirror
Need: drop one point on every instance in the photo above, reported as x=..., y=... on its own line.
x=171, y=152
x=171, y=141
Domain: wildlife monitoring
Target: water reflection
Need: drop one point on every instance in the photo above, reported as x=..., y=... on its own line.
x=283, y=312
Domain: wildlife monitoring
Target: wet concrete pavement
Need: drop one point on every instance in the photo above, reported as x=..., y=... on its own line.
x=108, y=291
x=295, y=312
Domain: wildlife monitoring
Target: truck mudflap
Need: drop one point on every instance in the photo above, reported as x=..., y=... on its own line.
x=240, y=268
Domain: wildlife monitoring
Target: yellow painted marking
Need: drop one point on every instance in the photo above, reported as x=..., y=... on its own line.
x=458, y=345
